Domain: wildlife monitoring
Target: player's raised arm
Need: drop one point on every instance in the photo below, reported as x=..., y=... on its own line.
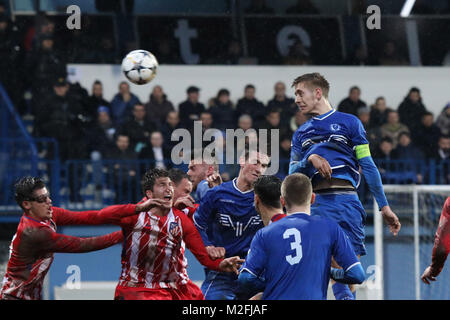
x=45, y=240
x=194, y=242
x=441, y=247
x=372, y=175
x=109, y=215
x=203, y=217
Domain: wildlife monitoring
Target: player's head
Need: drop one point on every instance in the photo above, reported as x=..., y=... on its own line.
x=267, y=193
x=156, y=184
x=311, y=90
x=33, y=197
x=253, y=165
x=182, y=184
x=296, y=193
x=200, y=168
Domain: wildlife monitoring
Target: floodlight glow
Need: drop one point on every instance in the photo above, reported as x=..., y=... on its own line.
x=407, y=7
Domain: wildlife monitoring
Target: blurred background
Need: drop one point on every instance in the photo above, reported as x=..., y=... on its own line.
x=68, y=114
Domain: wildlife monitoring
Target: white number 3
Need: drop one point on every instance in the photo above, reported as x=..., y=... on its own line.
x=295, y=245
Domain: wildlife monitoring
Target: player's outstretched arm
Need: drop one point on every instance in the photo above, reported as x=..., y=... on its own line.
x=441, y=247
x=46, y=240
x=109, y=215
x=373, y=179
x=250, y=283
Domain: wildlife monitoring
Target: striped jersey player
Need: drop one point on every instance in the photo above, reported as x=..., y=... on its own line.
x=153, y=261
x=36, y=239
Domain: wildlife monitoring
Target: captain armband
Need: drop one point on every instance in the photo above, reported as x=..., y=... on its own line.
x=362, y=151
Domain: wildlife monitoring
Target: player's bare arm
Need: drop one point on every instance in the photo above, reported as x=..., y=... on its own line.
x=215, y=252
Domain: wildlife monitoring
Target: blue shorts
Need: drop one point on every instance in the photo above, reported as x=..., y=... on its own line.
x=219, y=285
x=346, y=209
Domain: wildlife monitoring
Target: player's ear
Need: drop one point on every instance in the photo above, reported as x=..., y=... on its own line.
x=313, y=197
x=26, y=205
x=148, y=194
x=318, y=93
x=283, y=202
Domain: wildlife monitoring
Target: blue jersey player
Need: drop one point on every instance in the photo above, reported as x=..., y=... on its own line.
x=294, y=254
x=330, y=148
x=227, y=221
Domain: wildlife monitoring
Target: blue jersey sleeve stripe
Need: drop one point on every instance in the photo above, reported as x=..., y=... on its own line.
x=356, y=263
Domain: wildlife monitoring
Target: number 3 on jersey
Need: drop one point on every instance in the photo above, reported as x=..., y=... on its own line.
x=295, y=245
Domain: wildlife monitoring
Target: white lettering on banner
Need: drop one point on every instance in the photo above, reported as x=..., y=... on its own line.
x=286, y=38
x=74, y=280
x=184, y=34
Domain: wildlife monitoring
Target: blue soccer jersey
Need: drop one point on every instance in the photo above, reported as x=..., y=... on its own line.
x=227, y=218
x=294, y=255
x=333, y=136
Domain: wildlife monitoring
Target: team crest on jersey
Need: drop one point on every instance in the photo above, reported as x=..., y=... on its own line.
x=335, y=127
x=174, y=229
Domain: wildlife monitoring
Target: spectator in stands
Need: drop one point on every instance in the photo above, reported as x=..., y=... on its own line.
x=222, y=111
x=443, y=159
x=10, y=65
x=378, y=113
x=101, y=136
x=167, y=52
x=358, y=57
x=390, y=55
x=352, y=103
x=44, y=64
x=96, y=100
x=245, y=122
x=443, y=120
x=258, y=7
x=427, y=135
x=251, y=106
x=285, y=154
x=158, y=155
x=373, y=134
x=393, y=127
x=234, y=53
x=43, y=27
x=273, y=122
x=285, y=105
x=158, y=106
x=190, y=110
x=139, y=128
x=124, y=170
x=298, y=54
x=383, y=157
x=302, y=7
x=412, y=109
x=411, y=156
x=58, y=117
x=123, y=102
x=297, y=120
x=169, y=126
x=207, y=123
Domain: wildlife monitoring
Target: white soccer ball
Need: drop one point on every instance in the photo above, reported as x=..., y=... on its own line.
x=139, y=66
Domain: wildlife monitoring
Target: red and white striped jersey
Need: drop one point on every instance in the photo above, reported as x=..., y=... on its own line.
x=154, y=246
x=33, y=245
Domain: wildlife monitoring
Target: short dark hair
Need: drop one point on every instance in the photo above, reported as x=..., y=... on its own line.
x=249, y=86
x=25, y=187
x=223, y=92
x=97, y=82
x=314, y=79
x=296, y=189
x=150, y=177
x=403, y=133
x=354, y=88
x=427, y=113
x=177, y=175
x=268, y=189
x=386, y=139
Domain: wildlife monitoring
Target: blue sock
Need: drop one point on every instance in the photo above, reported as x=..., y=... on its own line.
x=354, y=294
x=342, y=292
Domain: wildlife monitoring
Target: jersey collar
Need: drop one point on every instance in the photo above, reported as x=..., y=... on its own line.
x=236, y=187
x=325, y=115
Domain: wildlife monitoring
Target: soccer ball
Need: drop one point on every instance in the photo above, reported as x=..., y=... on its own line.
x=140, y=66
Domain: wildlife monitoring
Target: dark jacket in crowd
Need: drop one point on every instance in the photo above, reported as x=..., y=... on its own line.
x=157, y=112
x=138, y=131
x=147, y=153
x=224, y=115
x=286, y=107
x=411, y=113
x=377, y=118
x=93, y=103
x=426, y=138
x=101, y=139
x=190, y=112
x=121, y=110
x=166, y=131
x=349, y=106
x=253, y=108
